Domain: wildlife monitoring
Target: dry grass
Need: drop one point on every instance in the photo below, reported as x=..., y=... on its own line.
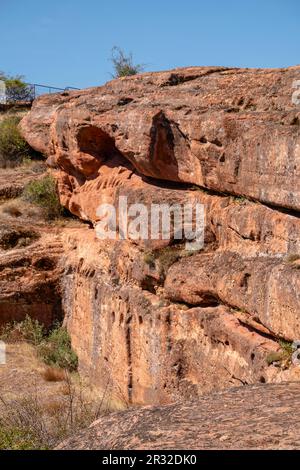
x=54, y=374
x=36, y=413
x=291, y=258
x=17, y=208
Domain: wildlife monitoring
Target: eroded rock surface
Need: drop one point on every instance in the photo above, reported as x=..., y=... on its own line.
x=29, y=273
x=150, y=322
x=139, y=345
x=230, y=130
x=254, y=417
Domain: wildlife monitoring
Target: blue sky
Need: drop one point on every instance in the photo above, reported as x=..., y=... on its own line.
x=68, y=43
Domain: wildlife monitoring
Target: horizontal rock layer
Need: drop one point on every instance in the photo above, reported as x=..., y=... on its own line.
x=142, y=348
x=230, y=130
x=150, y=321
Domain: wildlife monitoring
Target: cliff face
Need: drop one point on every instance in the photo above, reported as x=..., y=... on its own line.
x=30, y=250
x=149, y=323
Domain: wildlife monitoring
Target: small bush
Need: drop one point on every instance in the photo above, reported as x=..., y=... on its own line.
x=17, y=438
x=42, y=193
x=291, y=258
x=283, y=358
x=29, y=330
x=17, y=91
x=56, y=350
x=165, y=257
x=273, y=357
x=149, y=258
x=35, y=424
x=53, y=374
x=123, y=65
x=54, y=347
x=13, y=148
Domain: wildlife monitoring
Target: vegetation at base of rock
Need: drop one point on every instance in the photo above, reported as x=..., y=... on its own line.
x=13, y=148
x=33, y=424
x=53, y=347
x=56, y=350
x=123, y=64
x=43, y=193
x=17, y=438
x=287, y=347
x=276, y=356
x=149, y=259
x=28, y=330
x=283, y=357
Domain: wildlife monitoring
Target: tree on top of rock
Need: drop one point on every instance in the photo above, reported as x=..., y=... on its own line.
x=123, y=64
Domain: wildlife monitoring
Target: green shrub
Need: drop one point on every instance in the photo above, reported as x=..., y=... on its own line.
x=17, y=438
x=282, y=357
x=29, y=330
x=149, y=258
x=277, y=356
x=42, y=192
x=17, y=91
x=13, y=148
x=53, y=347
x=123, y=65
x=56, y=350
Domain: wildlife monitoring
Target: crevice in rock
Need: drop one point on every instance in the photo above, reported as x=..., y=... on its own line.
x=257, y=330
x=176, y=79
x=129, y=358
x=94, y=141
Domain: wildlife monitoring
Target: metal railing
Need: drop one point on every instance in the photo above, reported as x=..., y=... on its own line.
x=36, y=90
x=25, y=93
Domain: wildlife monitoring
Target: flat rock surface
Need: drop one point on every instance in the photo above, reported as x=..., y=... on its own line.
x=254, y=417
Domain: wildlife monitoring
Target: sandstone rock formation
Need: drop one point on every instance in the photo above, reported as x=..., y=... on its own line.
x=29, y=274
x=254, y=417
x=229, y=130
x=149, y=323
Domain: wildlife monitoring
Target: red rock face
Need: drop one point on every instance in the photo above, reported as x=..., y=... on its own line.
x=230, y=130
x=29, y=273
x=148, y=322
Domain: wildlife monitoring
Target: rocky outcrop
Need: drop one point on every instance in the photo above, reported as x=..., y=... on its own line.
x=254, y=417
x=151, y=322
x=265, y=287
x=29, y=274
x=229, y=130
x=139, y=344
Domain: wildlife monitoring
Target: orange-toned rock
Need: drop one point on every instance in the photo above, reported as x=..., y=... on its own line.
x=150, y=322
x=266, y=288
x=141, y=348
x=230, y=130
x=29, y=274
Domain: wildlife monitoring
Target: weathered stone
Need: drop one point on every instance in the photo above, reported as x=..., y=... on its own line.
x=232, y=130
x=149, y=323
x=254, y=417
x=141, y=348
x=266, y=288
x=29, y=274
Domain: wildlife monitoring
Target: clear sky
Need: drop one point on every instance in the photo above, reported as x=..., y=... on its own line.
x=68, y=42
